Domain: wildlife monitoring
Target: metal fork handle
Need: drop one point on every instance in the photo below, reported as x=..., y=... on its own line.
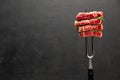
x=90, y=70
x=90, y=74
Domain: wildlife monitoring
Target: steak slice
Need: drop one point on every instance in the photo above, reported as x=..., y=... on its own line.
x=89, y=15
x=87, y=22
x=90, y=27
x=91, y=33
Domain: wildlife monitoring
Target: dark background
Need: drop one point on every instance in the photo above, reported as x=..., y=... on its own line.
x=38, y=40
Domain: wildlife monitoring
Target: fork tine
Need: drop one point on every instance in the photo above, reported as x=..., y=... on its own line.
x=92, y=45
x=86, y=44
x=89, y=54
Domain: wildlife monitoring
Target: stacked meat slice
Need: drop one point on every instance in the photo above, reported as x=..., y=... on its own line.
x=89, y=23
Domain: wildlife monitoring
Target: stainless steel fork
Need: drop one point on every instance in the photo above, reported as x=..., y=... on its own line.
x=90, y=55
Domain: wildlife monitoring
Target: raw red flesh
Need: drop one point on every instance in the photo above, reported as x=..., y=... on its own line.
x=87, y=22
x=91, y=33
x=89, y=15
x=90, y=27
x=97, y=34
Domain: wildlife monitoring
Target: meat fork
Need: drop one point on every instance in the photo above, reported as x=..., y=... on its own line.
x=90, y=56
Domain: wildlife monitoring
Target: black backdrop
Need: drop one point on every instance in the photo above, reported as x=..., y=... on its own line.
x=38, y=40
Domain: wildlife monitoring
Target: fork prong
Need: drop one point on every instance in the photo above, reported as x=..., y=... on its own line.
x=86, y=44
x=92, y=45
x=89, y=54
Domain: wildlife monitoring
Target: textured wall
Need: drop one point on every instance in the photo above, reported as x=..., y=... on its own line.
x=38, y=40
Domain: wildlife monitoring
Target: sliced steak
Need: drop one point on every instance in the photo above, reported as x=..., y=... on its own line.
x=89, y=15
x=90, y=27
x=87, y=22
x=91, y=33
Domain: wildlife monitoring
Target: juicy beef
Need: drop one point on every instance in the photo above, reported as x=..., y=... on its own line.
x=90, y=27
x=87, y=22
x=91, y=33
x=89, y=15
